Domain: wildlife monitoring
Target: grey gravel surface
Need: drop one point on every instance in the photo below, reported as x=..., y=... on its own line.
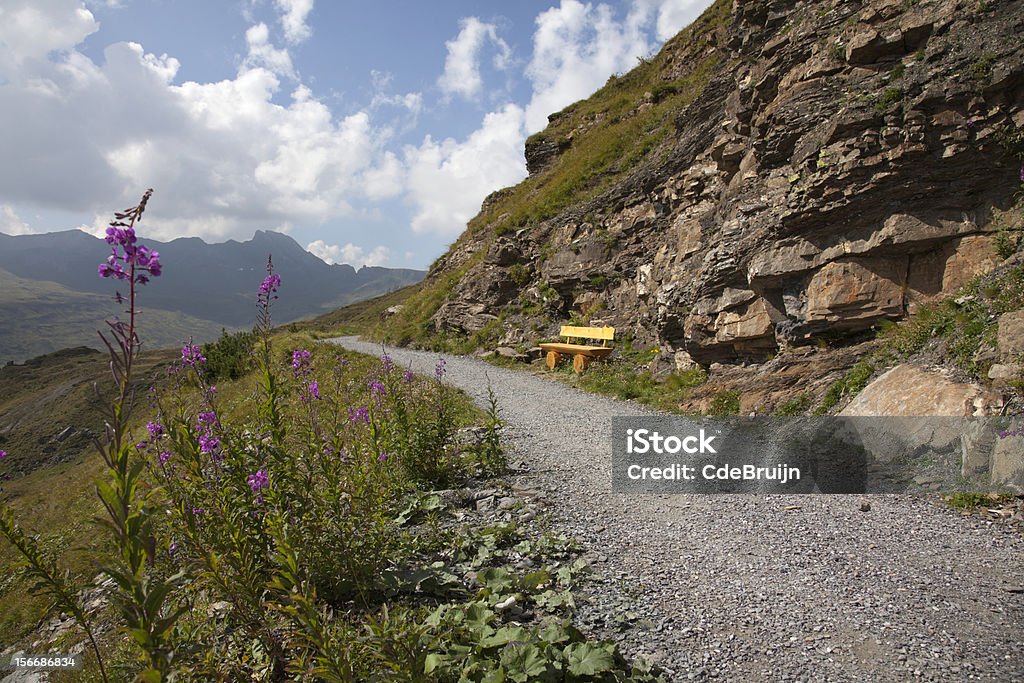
x=734, y=587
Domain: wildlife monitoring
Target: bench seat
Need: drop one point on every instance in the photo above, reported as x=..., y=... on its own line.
x=581, y=353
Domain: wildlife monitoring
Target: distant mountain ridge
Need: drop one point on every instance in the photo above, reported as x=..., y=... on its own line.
x=206, y=285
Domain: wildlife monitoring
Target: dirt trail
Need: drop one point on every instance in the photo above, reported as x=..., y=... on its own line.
x=734, y=587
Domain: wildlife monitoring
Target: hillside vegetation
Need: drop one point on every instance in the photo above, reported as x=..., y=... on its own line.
x=269, y=507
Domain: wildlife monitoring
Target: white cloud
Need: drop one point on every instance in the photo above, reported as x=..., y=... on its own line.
x=448, y=180
x=293, y=19
x=386, y=179
x=32, y=29
x=462, y=65
x=262, y=53
x=576, y=47
x=226, y=158
x=349, y=253
x=670, y=16
x=11, y=224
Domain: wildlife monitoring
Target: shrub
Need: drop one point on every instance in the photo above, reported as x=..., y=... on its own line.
x=725, y=402
x=230, y=357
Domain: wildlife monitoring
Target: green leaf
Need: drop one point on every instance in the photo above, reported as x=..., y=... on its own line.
x=478, y=617
x=535, y=580
x=524, y=662
x=499, y=580
x=506, y=635
x=587, y=659
x=433, y=661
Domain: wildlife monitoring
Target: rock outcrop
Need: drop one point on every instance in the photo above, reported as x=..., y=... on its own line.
x=838, y=167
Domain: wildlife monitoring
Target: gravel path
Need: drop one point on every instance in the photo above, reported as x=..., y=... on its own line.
x=734, y=587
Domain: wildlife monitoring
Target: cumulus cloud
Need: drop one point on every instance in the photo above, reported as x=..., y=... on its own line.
x=226, y=157
x=448, y=180
x=11, y=224
x=349, y=253
x=293, y=19
x=670, y=16
x=32, y=29
x=576, y=47
x=262, y=53
x=462, y=65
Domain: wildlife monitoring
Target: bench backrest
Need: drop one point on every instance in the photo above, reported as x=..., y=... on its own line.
x=605, y=334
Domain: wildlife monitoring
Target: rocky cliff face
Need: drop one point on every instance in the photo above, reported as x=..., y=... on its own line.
x=822, y=166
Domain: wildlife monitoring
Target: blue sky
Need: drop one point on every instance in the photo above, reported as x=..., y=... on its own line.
x=369, y=131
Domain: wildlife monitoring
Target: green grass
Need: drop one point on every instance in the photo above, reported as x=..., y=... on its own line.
x=972, y=501
x=621, y=380
x=42, y=317
x=725, y=402
x=952, y=330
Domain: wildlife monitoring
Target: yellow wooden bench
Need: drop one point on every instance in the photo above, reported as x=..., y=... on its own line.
x=581, y=353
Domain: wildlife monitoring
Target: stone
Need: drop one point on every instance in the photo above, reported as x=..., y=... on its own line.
x=1010, y=336
x=909, y=390
x=1004, y=373
x=1007, y=464
x=852, y=291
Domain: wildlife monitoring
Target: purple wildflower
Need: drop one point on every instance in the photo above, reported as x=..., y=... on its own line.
x=155, y=430
x=208, y=443
x=3, y=454
x=359, y=415
x=258, y=481
x=377, y=388
x=269, y=287
x=383, y=457
x=439, y=369
x=1021, y=174
x=164, y=457
x=314, y=390
x=207, y=418
x=173, y=547
x=192, y=355
x=127, y=258
x=197, y=511
x=408, y=377
x=300, y=360
x=386, y=362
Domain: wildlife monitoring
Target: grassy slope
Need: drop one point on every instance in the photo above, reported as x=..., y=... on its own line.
x=625, y=126
x=56, y=498
x=42, y=317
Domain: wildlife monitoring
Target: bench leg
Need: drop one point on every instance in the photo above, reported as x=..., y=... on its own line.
x=552, y=359
x=580, y=363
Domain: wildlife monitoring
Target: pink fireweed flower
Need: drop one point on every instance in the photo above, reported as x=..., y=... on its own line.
x=377, y=389
x=269, y=287
x=208, y=443
x=192, y=355
x=300, y=360
x=259, y=480
x=125, y=255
